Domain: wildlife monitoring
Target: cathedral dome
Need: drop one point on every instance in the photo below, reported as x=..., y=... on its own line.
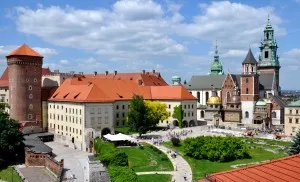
x=215, y=100
x=216, y=66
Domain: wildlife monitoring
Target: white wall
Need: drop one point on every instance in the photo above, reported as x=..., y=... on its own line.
x=247, y=106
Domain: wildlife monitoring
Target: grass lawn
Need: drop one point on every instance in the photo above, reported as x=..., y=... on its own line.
x=5, y=174
x=154, y=177
x=147, y=159
x=124, y=130
x=202, y=167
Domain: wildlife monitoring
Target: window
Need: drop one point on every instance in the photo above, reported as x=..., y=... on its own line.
x=80, y=111
x=184, y=106
x=273, y=114
x=80, y=132
x=206, y=96
x=297, y=121
x=30, y=96
x=29, y=87
x=79, y=120
x=192, y=106
x=188, y=114
x=294, y=129
x=66, y=118
x=247, y=80
x=202, y=114
x=30, y=106
x=247, y=91
x=198, y=96
x=66, y=110
x=29, y=116
x=290, y=120
x=62, y=107
x=296, y=111
x=62, y=127
x=188, y=106
x=246, y=114
x=50, y=116
x=57, y=126
x=266, y=54
x=290, y=111
x=117, y=107
x=169, y=106
x=184, y=114
x=123, y=106
x=117, y=115
x=192, y=113
x=123, y=114
x=92, y=111
x=62, y=118
x=228, y=96
x=117, y=123
x=35, y=80
x=169, y=114
x=66, y=128
x=123, y=122
x=76, y=111
x=99, y=110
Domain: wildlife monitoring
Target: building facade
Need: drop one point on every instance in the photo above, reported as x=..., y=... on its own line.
x=291, y=118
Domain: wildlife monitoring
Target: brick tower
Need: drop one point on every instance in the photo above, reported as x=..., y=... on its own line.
x=24, y=74
x=249, y=87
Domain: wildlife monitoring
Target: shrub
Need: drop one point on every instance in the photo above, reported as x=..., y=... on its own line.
x=122, y=174
x=175, y=141
x=221, y=149
x=141, y=147
x=119, y=159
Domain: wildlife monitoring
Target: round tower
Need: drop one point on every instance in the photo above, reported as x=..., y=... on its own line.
x=24, y=75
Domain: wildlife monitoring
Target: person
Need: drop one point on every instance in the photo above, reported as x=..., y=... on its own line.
x=184, y=176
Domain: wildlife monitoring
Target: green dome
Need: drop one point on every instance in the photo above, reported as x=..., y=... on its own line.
x=260, y=103
x=175, y=77
x=216, y=66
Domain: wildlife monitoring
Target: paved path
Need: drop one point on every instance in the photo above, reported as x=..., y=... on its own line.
x=155, y=172
x=179, y=163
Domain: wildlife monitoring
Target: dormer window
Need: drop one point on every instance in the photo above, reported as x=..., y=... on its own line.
x=266, y=54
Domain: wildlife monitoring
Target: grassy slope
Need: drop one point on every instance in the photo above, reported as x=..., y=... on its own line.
x=202, y=167
x=5, y=174
x=154, y=178
x=146, y=159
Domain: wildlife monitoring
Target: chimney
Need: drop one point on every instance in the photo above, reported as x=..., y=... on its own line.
x=115, y=72
x=106, y=73
x=144, y=71
x=153, y=71
x=95, y=73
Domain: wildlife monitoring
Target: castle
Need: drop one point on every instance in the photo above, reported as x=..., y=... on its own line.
x=251, y=98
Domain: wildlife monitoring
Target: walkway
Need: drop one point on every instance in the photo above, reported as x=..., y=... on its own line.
x=179, y=163
x=155, y=172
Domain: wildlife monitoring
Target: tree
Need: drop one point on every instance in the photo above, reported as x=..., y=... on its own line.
x=295, y=148
x=10, y=137
x=156, y=111
x=138, y=120
x=178, y=114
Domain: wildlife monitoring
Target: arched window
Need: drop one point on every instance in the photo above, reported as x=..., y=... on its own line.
x=247, y=91
x=206, y=96
x=228, y=96
x=273, y=114
x=246, y=114
x=198, y=96
x=202, y=114
x=246, y=80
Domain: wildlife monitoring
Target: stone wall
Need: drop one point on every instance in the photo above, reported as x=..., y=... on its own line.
x=43, y=159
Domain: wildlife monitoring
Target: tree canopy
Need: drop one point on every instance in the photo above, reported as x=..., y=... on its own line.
x=138, y=119
x=295, y=148
x=10, y=137
x=178, y=114
x=156, y=111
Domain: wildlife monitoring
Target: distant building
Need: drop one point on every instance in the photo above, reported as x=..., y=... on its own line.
x=291, y=118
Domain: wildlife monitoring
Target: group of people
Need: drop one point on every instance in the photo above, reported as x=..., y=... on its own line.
x=178, y=134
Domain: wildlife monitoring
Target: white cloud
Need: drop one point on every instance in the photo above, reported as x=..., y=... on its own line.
x=234, y=53
x=64, y=62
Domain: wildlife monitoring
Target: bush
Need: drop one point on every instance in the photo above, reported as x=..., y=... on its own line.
x=141, y=147
x=122, y=174
x=119, y=159
x=175, y=141
x=221, y=149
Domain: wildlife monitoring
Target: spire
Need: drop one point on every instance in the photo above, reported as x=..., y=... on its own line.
x=216, y=67
x=216, y=50
x=250, y=58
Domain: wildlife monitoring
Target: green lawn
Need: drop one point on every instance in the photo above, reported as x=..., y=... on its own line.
x=154, y=178
x=124, y=130
x=147, y=159
x=6, y=175
x=257, y=153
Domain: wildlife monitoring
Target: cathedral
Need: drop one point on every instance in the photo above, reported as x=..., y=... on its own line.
x=249, y=99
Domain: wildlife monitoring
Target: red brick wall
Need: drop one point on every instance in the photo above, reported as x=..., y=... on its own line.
x=24, y=71
x=253, y=88
x=32, y=159
x=227, y=87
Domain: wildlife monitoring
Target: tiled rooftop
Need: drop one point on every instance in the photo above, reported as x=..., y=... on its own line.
x=286, y=169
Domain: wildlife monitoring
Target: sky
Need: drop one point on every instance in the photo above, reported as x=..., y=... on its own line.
x=174, y=37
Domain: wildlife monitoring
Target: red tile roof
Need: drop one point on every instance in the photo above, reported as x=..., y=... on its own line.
x=80, y=89
x=147, y=78
x=46, y=71
x=24, y=50
x=286, y=169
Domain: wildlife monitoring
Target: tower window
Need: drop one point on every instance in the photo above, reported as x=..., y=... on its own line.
x=35, y=80
x=273, y=114
x=30, y=96
x=29, y=116
x=30, y=106
x=198, y=96
x=247, y=80
x=247, y=91
x=266, y=54
x=246, y=114
x=29, y=87
x=206, y=96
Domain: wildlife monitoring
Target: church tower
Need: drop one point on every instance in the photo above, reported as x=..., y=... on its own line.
x=24, y=74
x=216, y=67
x=268, y=59
x=249, y=87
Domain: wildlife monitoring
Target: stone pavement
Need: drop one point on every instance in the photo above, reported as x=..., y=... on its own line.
x=75, y=162
x=180, y=165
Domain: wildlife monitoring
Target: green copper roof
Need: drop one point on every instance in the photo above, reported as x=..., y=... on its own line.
x=216, y=67
x=263, y=102
x=295, y=103
x=175, y=77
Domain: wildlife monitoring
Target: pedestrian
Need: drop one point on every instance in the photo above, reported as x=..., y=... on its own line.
x=184, y=176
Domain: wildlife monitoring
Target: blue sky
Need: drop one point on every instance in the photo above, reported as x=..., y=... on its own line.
x=173, y=37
